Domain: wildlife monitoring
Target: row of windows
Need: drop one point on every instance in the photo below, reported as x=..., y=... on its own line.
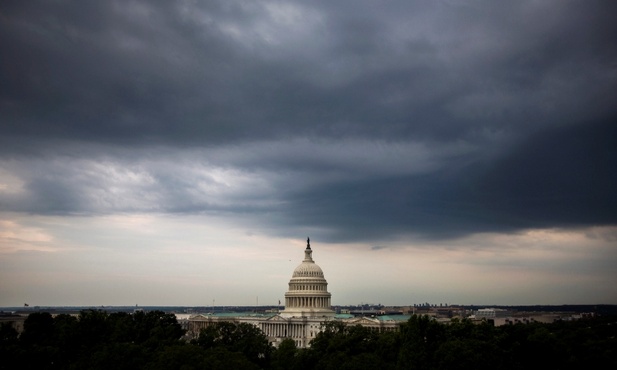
x=308, y=273
x=307, y=287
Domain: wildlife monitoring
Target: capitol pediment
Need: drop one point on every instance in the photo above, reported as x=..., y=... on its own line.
x=277, y=318
x=199, y=316
x=362, y=321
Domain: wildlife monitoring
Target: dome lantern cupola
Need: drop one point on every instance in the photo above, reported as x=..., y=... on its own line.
x=308, y=252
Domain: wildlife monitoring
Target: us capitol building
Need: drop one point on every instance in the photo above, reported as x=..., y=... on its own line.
x=307, y=307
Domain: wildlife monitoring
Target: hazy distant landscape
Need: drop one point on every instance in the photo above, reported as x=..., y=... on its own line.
x=600, y=308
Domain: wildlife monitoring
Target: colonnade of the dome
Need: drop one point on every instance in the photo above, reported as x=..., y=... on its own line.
x=310, y=287
x=311, y=302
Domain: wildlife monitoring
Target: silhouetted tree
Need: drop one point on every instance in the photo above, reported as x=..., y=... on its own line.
x=241, y=338
x=9, y=345
x=8, y=334
x=38, y=329
x=421, y=336
x=345, y=347
x=179, y=356
x=151, y=341
x=284, y=357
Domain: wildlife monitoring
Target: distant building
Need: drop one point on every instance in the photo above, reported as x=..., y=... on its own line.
x=500, y=317
x=491, y=313
x=15, y=320
x=307, y=307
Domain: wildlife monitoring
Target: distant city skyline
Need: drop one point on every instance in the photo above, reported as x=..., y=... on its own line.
x=180, y=153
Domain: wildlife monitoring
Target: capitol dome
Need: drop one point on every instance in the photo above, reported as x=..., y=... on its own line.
x=308, y=268
x=308, y=294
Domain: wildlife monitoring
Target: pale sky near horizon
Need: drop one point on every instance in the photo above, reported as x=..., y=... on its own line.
x=181, y=152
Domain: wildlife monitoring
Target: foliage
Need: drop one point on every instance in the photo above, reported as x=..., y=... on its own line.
x=93, y=340
x=241, y=338
x=152, y=341
x=423, y=343
x=286, y=355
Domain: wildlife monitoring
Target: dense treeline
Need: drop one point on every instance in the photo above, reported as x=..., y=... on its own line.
x=424, y=343
x=153, y=340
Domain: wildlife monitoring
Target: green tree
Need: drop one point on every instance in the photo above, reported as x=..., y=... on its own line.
x=421, y=336
x=121, y=356
x=37, y=346
x=387, y=347
x=122, y=327
x=8, y=334
x=241, y=338
x=156, y=328
x=66, y=338
x=38, y=329
x=339, y=346
x=92, y=327
x=220, y=358
x=9, y=345
x=472, y=354
x=284, y=357
x=331, y=330
x=179, y=356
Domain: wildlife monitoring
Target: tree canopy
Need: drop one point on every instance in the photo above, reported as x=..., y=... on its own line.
x=154, y=341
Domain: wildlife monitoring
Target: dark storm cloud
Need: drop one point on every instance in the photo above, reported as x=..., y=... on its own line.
x=180, y=72
x=116, y=80
x=563, y=176
x=558, y=178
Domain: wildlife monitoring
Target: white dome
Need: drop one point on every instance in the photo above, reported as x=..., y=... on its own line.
x=308, y=270
x=308, y=294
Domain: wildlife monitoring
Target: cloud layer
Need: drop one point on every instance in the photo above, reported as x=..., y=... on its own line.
x=363, y=122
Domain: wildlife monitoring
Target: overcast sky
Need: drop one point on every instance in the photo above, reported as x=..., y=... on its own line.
x=181, y=152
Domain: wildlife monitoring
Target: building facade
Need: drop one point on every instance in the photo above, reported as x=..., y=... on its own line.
x=308, y=294
x=307, y=308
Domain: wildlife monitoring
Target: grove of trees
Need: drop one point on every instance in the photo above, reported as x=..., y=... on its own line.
x=154, y=340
